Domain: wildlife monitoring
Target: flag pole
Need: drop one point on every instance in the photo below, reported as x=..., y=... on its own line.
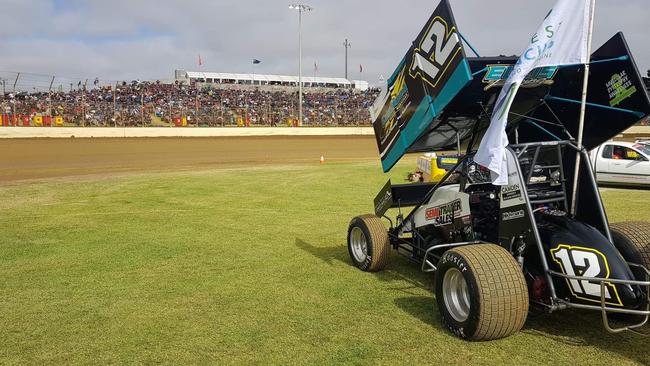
x=583, y=110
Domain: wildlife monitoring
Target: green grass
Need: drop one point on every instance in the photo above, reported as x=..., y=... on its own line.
x=244, y=266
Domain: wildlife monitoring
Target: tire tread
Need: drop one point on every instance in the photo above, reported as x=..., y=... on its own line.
x=379, y=239
x=638, y=233
x=503, y=290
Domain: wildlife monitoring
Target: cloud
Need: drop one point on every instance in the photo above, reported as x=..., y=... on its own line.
x=148, y=39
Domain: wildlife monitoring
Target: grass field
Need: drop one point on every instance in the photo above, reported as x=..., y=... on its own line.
x=241, y=266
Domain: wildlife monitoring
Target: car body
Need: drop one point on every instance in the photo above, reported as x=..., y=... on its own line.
x=622, y=163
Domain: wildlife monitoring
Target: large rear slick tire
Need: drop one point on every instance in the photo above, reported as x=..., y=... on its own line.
x=632, y=239
x=481, y=292
x=368, y=243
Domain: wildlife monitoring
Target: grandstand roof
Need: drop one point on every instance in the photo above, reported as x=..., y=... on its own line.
x=266, y=78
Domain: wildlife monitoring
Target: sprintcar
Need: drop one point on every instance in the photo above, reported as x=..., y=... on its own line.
x=498, y=252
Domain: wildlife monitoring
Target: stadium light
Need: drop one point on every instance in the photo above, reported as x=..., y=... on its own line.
x=301, y=8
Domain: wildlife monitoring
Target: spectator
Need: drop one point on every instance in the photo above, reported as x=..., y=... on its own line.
x=153, y=103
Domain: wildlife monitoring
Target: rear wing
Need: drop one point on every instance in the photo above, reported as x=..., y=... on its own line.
x=547, y=106
x=617, y=98
x=437, y=99
x=433, y=71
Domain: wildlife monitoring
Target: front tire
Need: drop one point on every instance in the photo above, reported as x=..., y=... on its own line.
x=481, y=292
x=368, y=243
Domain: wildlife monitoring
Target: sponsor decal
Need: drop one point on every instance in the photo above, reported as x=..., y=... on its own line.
x=589, y=263
x=619, y=88
x=384, y=199
x=453, y=258
x=510, y=192
x=444, y=214
x=452, y=161
x=437, y=48
x=513, y=215
x=497, y=75
x=399, y=100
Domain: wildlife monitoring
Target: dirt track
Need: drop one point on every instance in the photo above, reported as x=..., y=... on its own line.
x=42, y=158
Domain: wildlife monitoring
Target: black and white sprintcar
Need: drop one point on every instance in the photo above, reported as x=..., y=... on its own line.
x=499, y=251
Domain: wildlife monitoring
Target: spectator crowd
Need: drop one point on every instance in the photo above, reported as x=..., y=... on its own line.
x=155, y=103
x=159, y=104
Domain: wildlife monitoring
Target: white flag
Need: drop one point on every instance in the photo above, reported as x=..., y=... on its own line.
x=560, y=40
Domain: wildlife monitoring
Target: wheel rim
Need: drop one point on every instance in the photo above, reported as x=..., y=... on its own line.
x=359, y=244
x=456, y=295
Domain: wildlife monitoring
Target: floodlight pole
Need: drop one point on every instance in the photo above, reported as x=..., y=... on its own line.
x=583, y=110
x=49, y=99
x=300, y=67
x=115, y=105
x=83, y=103
x=142, y=107
x=301, y=8
x=171, y=109
x=16, y=82
x=347, y=45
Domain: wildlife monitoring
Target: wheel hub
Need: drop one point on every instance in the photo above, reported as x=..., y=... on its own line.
x=359, y=244
x=456, y=294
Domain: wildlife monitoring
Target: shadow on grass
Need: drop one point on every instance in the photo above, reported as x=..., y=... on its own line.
x=398, y=269
x=328, y=255
x=572, y=328
x=423, y=308
x=575, y=328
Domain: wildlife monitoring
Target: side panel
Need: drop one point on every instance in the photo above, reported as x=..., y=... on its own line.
x=445, y=207
x=617, y=96
x=431, y=74
x=514, y=220
x=575, y=248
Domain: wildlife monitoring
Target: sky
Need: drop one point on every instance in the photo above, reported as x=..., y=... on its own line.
x=148, y=39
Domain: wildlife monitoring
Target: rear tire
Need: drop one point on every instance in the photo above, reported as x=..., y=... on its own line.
x=481, y=292
x=632, y=239
x=368, y=243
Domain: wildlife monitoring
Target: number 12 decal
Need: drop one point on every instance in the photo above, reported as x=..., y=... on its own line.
x=585, y=262
x=438, y=47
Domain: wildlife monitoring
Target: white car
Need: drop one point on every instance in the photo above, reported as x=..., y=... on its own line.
x=623, y=163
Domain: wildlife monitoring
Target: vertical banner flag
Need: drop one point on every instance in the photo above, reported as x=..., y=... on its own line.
x=200, y=60
x=433, y=71
x=560, y=40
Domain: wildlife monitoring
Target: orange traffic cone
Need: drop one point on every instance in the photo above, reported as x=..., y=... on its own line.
x=322, y=159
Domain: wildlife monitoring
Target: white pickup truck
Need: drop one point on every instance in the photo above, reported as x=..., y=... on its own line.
x=622, y=163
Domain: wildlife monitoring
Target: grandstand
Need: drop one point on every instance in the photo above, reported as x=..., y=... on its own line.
x=29, y=99
x=216, y=78
x=190, y=99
